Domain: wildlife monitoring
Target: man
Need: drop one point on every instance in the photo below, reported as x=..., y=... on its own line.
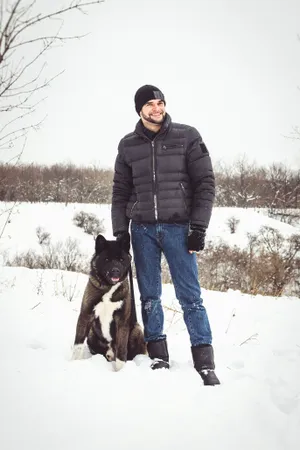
x=164, y=184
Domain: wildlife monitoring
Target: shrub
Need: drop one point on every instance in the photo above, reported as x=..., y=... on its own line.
x=43, y=236
x=62, y=255
x=89, y=223
x=232, y=223
x=268, y=266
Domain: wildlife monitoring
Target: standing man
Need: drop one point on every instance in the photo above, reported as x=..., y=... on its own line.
x=164, y=184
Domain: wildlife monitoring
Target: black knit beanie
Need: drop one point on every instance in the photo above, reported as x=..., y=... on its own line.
x=146, y=93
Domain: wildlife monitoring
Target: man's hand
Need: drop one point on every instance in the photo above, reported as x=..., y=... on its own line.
x=196, y=239
x=124, y=238
x=121, y=234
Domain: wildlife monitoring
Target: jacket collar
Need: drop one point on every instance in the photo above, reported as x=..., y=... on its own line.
x=167, y=122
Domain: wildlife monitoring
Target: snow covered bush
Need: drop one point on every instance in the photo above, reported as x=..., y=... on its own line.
x=61, y=255
x=89, y=222
x=43, y=236
x=270, y=265
x=232, y=223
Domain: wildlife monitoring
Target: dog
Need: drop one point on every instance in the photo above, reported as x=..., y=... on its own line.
x=107, y=320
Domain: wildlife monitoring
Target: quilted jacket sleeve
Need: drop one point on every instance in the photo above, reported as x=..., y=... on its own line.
x=202, y=179
x=122, y=188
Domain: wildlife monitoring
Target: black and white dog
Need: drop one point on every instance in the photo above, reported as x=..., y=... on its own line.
x=107, y=321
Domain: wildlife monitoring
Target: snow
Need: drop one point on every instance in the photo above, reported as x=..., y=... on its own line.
x=57, y=219
x=48, y=401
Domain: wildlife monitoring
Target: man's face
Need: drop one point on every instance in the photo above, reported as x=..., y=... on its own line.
x=154, y=111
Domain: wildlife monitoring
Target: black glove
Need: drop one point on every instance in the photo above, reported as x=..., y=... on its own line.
x=124, y=237
x=196, y=238
x=121, y=234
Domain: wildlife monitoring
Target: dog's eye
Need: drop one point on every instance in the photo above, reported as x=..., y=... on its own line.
x=106, y=260
x=121, y=259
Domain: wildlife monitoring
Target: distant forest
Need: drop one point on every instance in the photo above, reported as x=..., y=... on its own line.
x=239, y=185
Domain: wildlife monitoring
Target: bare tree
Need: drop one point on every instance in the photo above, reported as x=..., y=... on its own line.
x=283, y=192
x=27, y=31
x=246, y=182
x=237, y=184
x=296, y=133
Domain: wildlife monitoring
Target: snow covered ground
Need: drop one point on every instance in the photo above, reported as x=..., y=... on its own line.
x=57, y=219
x=49, y=402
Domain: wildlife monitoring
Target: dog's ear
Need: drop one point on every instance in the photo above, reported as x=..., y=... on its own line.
x=125, y=241
x=100, y=243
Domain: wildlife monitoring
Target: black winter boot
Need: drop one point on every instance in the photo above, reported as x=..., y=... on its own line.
x=158, y=351
x=203, y=357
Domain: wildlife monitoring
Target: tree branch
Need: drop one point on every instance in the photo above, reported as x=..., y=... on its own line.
x=53, y=38
x=39, y=18
x=20, y=75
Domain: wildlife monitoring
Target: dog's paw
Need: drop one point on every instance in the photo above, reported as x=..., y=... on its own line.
x=119, y=364
x=110, y=355
x=78, y=352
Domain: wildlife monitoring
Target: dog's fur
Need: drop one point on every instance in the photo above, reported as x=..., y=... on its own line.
x=106, y=319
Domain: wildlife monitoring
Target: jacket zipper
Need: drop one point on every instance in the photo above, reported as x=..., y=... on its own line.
x=154, y=181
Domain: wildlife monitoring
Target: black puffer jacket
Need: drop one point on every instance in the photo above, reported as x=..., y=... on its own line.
x=169, y=179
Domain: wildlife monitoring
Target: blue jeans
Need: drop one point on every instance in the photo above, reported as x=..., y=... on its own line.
x=148, y=243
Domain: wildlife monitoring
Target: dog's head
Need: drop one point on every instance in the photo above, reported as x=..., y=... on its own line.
x=111, y=260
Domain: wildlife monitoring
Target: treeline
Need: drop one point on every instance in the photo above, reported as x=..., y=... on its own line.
x=240, y=184
x=65, y=183
x=248, y=185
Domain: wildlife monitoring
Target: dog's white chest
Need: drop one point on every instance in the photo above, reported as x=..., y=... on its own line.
x=105, y=310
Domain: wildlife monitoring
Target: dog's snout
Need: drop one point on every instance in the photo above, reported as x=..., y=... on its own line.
x=115, y=272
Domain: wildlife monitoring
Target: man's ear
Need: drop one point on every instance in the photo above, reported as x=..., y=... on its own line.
x=100, y=243
x=125, y=242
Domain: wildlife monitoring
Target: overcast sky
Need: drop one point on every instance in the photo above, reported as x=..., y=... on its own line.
x=230, y=68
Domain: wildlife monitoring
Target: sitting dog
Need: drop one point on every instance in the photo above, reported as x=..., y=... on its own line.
x=107, y=320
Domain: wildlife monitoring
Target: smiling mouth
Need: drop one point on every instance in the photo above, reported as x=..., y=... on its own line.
x=114, y=279
x=156, y=116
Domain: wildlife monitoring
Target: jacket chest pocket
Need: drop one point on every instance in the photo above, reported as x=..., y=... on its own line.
x=172, y=149
x=172, y=146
